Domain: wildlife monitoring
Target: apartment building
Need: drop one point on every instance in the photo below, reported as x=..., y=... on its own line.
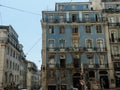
x=111, y=9
x=33, y=80
x=11, y=57
x=75, y=47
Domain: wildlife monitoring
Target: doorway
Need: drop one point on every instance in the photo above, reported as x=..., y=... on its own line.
x=104, y=82
x=74, y=17
x=76, y=81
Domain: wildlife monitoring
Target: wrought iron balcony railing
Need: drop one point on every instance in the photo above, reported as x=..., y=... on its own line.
x=111, y=10
x=77, y=20
x=115, y=40
x=113, y=24
x=77, y=49
x=110, y=0
x=115, y=56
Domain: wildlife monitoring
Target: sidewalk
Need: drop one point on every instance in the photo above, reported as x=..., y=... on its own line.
x=113, y=89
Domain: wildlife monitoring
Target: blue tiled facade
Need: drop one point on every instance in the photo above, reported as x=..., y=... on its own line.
x=75, y=43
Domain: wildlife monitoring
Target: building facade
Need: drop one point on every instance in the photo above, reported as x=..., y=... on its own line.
x=75, y=47
x=10, y=58
x=111, y=9
x=33, y=80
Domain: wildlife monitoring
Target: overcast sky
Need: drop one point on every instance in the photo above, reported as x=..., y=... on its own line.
x=26, y=24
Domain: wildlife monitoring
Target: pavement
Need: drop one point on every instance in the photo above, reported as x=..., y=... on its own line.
x=113, y=89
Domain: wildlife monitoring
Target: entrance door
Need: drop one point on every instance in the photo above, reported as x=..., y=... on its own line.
x=76, y=81
x=117, y=81
x=104, y=82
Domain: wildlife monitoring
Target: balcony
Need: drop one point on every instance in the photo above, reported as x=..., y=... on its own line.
x=116, y=57
x=103, y=66
x=111, y=10
x=51, y=49
x=95, y=66
x=75, y=35
x=89, y=49
x=115, y=40
x=113, y=25
x=110, y=0
x=78, y=20
x=99, y=49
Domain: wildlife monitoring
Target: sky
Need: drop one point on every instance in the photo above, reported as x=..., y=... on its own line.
x=24, y=16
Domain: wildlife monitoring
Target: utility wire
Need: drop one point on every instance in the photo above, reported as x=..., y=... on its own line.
x=33, y=46
x=20, y=10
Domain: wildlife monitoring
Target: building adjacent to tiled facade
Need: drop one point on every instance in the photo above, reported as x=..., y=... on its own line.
x=12, y=59
x=33, y=76
x=111, y=9
x=75, y=40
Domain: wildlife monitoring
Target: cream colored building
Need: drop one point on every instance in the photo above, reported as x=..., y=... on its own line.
x=33, y=80
x=111, y=10
x=11, y=58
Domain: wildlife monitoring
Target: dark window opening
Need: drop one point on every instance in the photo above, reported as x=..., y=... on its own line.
x=76, y=63
x=96, y=17
x=88, y=29
x=75, y=30
x=91, y=74
x=63, y=87
x=51, y=87
x=112, y=36
x=62, y=63
x=51, y=29
x=74, y=18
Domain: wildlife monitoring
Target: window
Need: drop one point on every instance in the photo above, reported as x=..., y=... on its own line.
x=100, y=44
x=89, y=43
x=74, y=17
x=101, y=59
x=60, y=7
x=112, y=20
x=62, y=61
x=115, y=50
x=88, y=29
x=86, y=6
x=61, y=29
x=51, y=74
x=51, y=43
x=50, y=18
x=51, y=87
x=75, y=42
x=98, y=29
x=62, y=43
x=73, y=7
x=97, y=17
x=87, y=17
x=7, y=64
x=51, y=29
x=113, y=36
x=51, y=59
x=61, y=18
x=90, y=59
x=76, y=63
x=75, y=29
x=8, y=50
